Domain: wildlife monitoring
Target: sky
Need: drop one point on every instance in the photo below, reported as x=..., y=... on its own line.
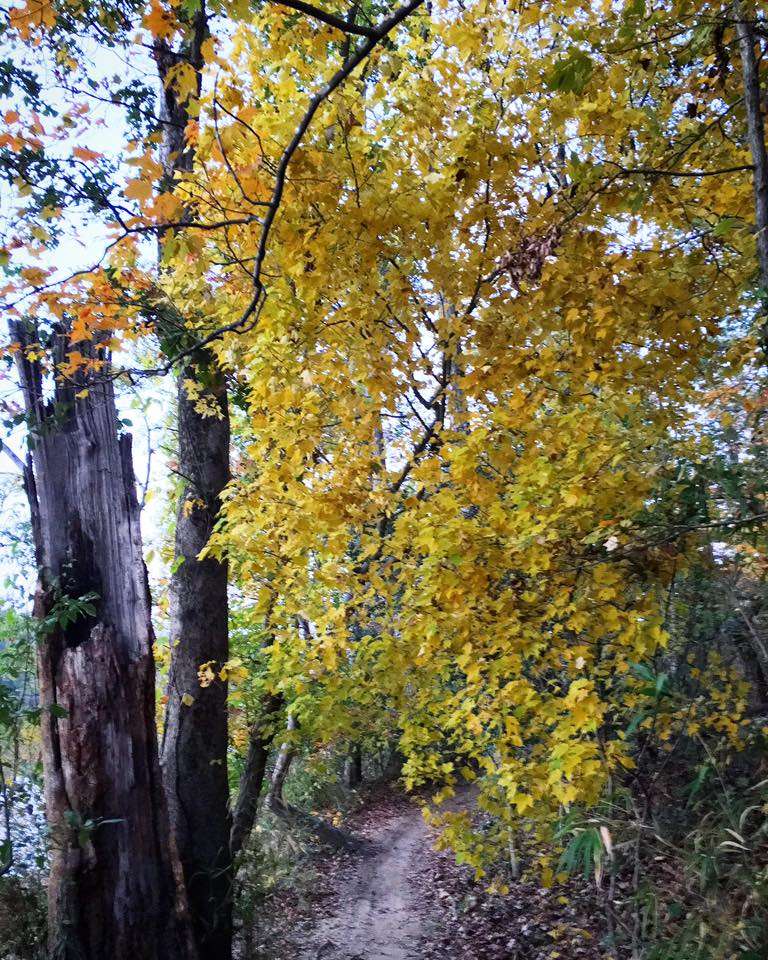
x=145, y=408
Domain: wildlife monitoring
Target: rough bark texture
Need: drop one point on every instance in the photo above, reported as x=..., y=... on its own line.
x=194, y=756
x=251, y=782
x=113, y=891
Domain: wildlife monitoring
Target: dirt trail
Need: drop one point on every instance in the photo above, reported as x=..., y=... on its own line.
x=399, y=899
x=377, y=917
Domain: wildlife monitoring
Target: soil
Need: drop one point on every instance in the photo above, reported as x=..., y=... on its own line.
x=399, y=899
x=377, y=912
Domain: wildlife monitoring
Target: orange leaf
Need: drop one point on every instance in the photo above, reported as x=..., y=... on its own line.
x=161, y=23
x=83, y=153
x=34, y=275
x=138, y=189
x=34, y=14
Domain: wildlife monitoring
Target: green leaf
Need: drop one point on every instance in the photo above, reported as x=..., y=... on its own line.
x=571, y=75
x=726, y=225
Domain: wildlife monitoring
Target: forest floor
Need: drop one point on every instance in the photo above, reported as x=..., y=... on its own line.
x=399, y=899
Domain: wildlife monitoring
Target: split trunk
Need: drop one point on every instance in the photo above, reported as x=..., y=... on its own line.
x=113, y=890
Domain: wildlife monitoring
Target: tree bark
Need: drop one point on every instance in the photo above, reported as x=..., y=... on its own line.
x=194, y=756
x=275, y=802
x=353, y=768
x=194, y=752
x=113, y=888
x=756, y=132
x=287, y=752
x=252, y=780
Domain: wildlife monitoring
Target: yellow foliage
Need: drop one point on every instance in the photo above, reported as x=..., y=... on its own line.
x=476, y=352
x=484, y=335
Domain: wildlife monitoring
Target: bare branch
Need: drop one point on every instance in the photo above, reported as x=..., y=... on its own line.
x=362, y=52
x=14, y=457
x=331, y=19
x=655, y=172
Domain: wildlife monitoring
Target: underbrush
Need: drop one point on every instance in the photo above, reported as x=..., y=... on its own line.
x=280, y=877
x=681, y=868
x=278, y=864
x=22, y=918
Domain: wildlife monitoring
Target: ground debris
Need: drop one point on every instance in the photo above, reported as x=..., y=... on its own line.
x=398, y=898
x=531, y=922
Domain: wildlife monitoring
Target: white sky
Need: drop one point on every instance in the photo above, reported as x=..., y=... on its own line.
x=148, y=406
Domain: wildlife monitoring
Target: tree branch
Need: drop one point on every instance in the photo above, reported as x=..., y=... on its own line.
x=331, y=19
x=250, y=316
x=14, y=457
x=654, y=172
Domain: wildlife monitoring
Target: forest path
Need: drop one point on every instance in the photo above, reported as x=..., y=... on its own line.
x=397, y=898
x=378, y=916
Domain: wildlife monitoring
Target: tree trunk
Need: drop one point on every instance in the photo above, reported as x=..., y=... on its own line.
x=252, y=779
x=353, y=768
x=113, y=889
x=251, y=782
x=195, y=739
x=275, y=801
x=756, y=131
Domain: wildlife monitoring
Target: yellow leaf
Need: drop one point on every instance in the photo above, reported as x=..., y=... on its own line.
x=208, y=49
x=182, y=78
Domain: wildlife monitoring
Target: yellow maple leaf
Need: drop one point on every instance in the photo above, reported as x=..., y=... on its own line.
x=80, y=330
x=182, y=78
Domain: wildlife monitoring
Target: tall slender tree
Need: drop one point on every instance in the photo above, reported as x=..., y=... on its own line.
x=753, y=105
x=194, y=754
